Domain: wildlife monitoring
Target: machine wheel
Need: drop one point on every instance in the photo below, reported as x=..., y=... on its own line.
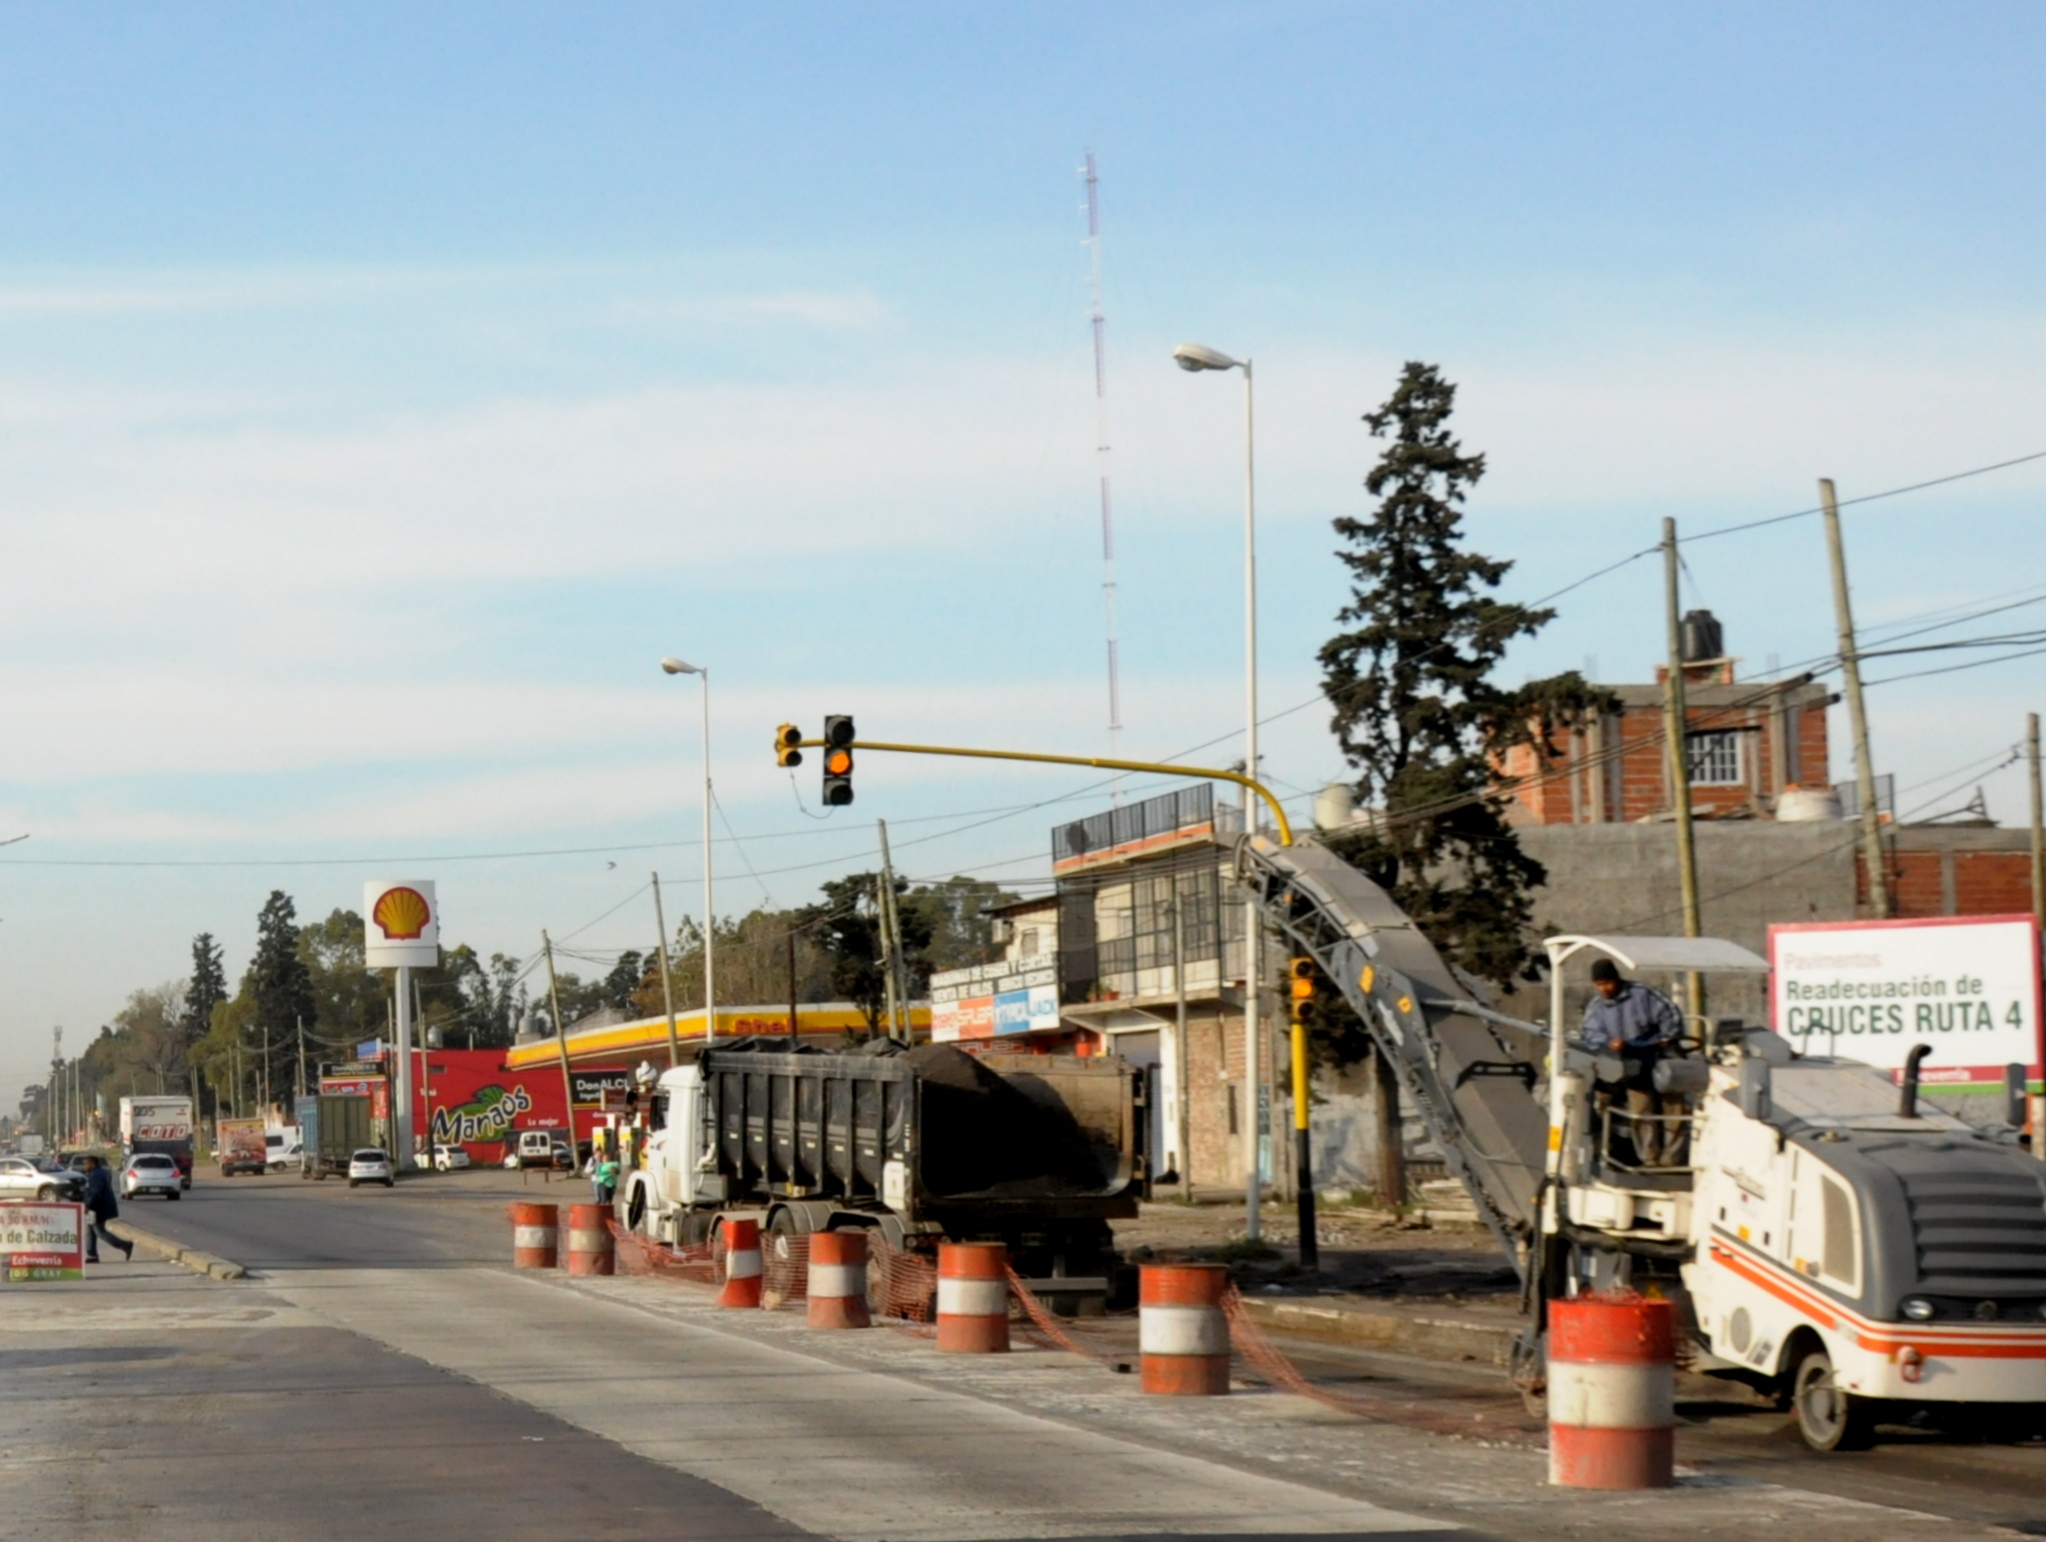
x=635, y=1210
x=47, y=1191
x=351, y=1183
x=1828, y=1419
x=174, y=1194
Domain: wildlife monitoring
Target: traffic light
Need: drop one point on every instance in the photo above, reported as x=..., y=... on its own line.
x=1304, y=982
x=838, y=761
x=787, y=738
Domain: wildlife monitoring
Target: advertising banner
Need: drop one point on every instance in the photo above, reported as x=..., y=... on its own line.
x=42, y=1241
x=600, y=1089
x=1870, y=990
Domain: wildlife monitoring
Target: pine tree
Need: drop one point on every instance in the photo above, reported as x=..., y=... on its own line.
x=279, y=987
x=206, y=990
x=1417, y=712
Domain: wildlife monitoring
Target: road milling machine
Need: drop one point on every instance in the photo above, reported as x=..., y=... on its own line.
x=1826, y=1238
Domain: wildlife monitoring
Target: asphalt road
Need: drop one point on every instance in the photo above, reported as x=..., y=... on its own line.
x=282, y=1221
x=438, y=1443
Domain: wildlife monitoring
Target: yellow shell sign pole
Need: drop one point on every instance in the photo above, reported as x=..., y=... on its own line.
x=1157, y=767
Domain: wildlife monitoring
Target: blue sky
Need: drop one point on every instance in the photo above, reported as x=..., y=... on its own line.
x=383, y=390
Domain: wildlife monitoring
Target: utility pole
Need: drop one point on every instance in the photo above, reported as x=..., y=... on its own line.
x=2038, y=907
x=561, y=1042
x=895, y=976
x=667, y=985
x=792, y=987
x=1180, y=1050
x=1857, y=714
x=301, y=1058
x=1675, y=717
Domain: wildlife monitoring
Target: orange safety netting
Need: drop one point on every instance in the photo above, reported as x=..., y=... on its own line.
x=1254, y=1345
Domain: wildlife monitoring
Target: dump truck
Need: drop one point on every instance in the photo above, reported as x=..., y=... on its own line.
x=334, y=1126
x=930, y=1144
x=238, y=1146
x=1826, y=1238
x=160, y=1124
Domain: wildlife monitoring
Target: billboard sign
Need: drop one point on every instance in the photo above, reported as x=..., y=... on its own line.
x=400, y=923
x=600, y=1089
x=40, y=1241
x=1870, y=990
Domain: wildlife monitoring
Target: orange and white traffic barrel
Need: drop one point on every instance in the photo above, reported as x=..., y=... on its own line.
x=838, y=1280
x=536, y=1235
x=1612, y=1392
x=590, y=1249
x=1182, y=1333
x=742, y=1263
x=973, y=1298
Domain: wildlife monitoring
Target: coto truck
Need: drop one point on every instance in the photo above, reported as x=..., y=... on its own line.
x=238, y=1144
x=923, y=1145
x=161, y=1124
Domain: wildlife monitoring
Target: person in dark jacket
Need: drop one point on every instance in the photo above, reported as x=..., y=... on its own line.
x=101, y=1205
x=1625, y=1017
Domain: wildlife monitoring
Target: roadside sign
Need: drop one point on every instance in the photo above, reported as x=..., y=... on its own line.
x=1870, y=990
x=42, y=1240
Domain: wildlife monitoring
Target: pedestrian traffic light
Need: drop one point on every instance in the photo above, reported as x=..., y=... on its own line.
x=838, y=761
x=787, y=738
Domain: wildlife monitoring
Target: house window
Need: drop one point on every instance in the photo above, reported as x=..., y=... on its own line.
x=1715, y=758
x=1028, y=947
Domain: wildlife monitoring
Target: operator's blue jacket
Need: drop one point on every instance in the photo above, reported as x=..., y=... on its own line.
x=1640, y=1017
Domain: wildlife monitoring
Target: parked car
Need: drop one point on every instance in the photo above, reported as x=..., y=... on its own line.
x=448, y=1159
x=151, y=1172
x=22, y=1179
x=282, y=1147
x=371, y=1164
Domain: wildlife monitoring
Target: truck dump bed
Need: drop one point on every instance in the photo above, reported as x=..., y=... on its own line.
x=1029, y=1134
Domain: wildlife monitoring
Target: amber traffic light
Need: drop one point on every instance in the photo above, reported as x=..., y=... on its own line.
x=838, y=761
x=787, y=741
x=1304, y=982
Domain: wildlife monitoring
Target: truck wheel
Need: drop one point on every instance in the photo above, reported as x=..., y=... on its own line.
x=1828, y=1419
x=173, y=1195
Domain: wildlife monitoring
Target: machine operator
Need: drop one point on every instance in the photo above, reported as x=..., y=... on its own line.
x=1625, y=1017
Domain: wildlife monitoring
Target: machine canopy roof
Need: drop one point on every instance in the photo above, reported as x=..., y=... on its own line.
x=1701, y=954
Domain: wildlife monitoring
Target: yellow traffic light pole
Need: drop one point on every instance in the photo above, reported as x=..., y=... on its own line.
x=1159, y=768
x=788, y=738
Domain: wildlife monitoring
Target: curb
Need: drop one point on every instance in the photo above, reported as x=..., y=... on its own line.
x=198, y=1261
x=1427, y=1338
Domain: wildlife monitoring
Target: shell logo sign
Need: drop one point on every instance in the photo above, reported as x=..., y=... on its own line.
x=401, y=924
x=401, y=914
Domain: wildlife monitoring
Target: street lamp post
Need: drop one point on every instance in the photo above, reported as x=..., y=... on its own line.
x=1194, y=357
x=710, y=996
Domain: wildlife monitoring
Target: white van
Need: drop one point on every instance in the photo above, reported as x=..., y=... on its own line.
x=282, y=1147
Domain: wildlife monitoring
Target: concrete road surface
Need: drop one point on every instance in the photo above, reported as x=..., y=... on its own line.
x=386, y=1375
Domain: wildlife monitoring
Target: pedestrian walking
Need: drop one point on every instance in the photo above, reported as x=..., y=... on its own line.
x=604, y=1177
x=101, y=1205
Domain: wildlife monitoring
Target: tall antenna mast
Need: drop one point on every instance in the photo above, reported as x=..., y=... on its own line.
x=1101, y=460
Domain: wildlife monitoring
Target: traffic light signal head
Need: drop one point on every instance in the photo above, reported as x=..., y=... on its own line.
x=1303, y=980
x=786, y=739
x=838, y=761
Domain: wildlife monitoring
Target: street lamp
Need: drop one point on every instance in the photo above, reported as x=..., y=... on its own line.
x=1194, y=358
x=675, y=666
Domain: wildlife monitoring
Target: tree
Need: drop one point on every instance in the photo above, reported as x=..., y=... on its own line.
x=349, y=997
x=956, y=911
x=279, y=988
x=1417, y=712
x=206, y=989
x=848, y=928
